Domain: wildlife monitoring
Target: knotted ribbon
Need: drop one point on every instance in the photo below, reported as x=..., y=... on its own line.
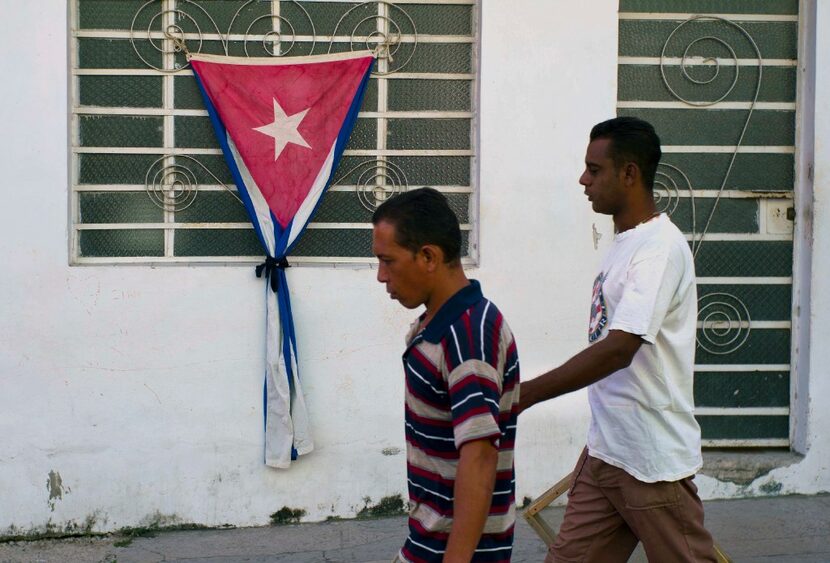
x=269, y=267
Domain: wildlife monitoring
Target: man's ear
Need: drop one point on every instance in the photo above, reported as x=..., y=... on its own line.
x=432, y=255
x=631, y=173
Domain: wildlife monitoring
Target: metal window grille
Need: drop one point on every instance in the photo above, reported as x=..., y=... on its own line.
x=720, y=88
x=148, y=181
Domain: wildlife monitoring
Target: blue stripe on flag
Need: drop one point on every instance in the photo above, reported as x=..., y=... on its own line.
x=289, y=345
x=222, y=137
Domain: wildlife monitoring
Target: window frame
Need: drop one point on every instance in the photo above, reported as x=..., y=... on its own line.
x=168, y=112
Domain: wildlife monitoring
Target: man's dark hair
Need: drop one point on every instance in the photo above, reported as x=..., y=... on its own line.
x=420, y=217
x=632, y=140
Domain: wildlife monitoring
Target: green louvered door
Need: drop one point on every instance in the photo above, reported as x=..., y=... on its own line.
x=717, y=78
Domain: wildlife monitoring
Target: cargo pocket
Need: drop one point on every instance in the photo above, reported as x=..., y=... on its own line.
x=646, y=496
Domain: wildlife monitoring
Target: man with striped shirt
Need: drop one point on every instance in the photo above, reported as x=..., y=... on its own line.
x=462, y=387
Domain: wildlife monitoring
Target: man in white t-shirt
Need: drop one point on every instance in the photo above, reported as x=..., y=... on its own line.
x=633, y=481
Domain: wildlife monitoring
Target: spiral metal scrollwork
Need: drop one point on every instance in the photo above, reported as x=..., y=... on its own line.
x=179, y=35
x=726, y=323
x=709, y=62
x=713, y=65
x=271, y=38
x=375, y=182
x=669, y=182
x=381, y=34
x=183, y=23
x=172, y=186
x=178, y=30
x=260, y=29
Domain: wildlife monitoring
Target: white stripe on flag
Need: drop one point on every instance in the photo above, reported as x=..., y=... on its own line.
x=279, y=428
x=263, y=212
x=311, y=199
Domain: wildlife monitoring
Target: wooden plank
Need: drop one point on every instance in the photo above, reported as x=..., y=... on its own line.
x=532, y=512
x=549, y=496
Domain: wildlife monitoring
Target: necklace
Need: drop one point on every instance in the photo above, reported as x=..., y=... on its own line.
x=646, y=220
x=649, y=218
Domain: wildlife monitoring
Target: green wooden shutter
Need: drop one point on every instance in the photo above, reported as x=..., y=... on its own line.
x=717, y=78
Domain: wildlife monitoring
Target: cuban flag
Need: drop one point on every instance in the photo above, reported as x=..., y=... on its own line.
x=282, y=124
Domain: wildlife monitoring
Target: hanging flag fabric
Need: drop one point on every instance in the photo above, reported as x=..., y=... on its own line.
x=282, y=124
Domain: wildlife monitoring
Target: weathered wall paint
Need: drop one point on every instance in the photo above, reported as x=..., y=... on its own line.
x=138, y=389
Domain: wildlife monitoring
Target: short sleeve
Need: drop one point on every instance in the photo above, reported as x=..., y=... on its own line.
x=650, y=286
x=474, y=389
x=473, y=381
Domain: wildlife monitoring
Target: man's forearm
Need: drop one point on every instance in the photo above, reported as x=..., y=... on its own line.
x=473, y=494
x=592, y=364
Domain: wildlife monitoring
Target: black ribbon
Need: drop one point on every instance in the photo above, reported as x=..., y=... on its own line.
x=269, y=267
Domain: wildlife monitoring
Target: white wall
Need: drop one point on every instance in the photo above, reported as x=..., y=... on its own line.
x=132, y=394
x=537, y=250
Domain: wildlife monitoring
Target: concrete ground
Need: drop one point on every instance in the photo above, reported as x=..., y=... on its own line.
x=784, y=529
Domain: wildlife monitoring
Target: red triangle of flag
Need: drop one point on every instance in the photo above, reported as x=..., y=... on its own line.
x=283, y=115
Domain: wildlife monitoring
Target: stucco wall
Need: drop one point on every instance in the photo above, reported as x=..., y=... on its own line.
x=133, y=394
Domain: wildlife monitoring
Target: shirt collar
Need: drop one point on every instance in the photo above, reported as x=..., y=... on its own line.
x=646, y=225
x=463, y=299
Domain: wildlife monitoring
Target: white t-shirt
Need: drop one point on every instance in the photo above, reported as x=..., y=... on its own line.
x=642, y=417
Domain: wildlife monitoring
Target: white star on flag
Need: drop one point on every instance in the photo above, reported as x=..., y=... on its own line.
x=284, y=129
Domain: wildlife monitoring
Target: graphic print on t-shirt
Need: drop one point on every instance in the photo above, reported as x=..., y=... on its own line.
x=599, y=315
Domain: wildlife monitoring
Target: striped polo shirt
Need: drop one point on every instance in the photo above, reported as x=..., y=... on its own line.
x=462, y=384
